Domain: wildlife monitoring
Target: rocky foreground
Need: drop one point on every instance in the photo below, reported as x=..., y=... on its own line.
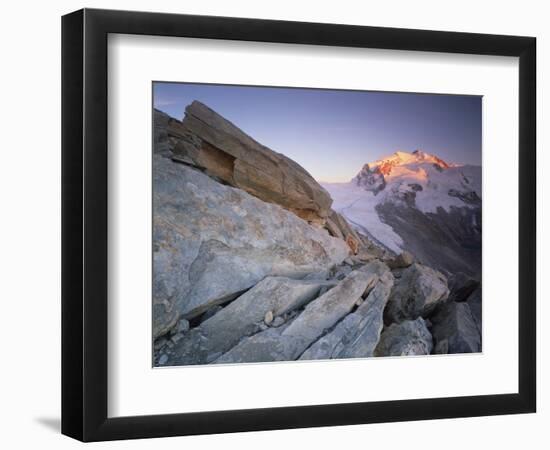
x=251, y=264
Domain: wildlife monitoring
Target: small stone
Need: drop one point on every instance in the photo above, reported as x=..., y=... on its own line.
x=268, y=317
x=359, y=302
x=170, y=344
x=163, y=359
x=348, y=261
x=277, y=322
x=363, y=257
x=177, y=337
x=183, y=326
x=401, y=261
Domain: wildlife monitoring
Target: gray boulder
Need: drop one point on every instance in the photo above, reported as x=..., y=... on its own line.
x=357, y=334
x=212, y=242
x=274, y=296
x=417, y=292
x=454, y=329
x=461, y=286
x=410, y=337
x=289, y=341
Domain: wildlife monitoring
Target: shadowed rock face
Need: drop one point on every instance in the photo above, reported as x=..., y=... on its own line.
x=449, y=241
x=211, y=242
x=474, y=302
x=214, y=144
x=455, y=330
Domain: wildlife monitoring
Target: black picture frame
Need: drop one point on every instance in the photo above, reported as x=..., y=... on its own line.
x=84, y=224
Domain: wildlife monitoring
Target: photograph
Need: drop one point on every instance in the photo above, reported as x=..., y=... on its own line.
x=296, y=224
x=267, y=225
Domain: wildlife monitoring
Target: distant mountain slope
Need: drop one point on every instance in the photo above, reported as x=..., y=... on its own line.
x=420, y=203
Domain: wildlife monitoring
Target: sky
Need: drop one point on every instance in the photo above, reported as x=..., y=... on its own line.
x=333, y=133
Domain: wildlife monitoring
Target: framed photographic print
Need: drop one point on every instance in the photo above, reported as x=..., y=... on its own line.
x=273, y=224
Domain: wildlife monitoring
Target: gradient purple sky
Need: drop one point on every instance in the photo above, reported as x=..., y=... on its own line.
x=333, y=133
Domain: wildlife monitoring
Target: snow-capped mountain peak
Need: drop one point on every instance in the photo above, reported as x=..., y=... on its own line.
x=417, y=180
x=386, y=165
x=414, y=166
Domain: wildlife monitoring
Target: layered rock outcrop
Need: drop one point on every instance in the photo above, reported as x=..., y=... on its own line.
x=214, y=144
x=317, y=317
x=357, y=335
x=242, y=317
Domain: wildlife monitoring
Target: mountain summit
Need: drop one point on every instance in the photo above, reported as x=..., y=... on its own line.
x=373, y=176
x=401, y=158
x=421, y=180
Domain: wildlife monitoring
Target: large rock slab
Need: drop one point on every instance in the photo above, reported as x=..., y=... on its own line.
x=455, y=330
x=410, y=337
x=318, y=317
x=357, y=334
x=416, y=294
x=212, y=242
x=217, y=146
x=242, y=317
x=266, y=346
